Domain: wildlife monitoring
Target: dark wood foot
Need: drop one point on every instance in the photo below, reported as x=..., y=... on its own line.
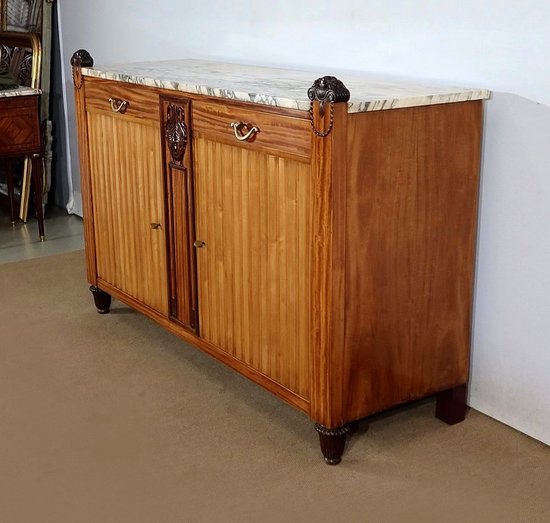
x=332, y=442
x=450, y=405
x=102, y=299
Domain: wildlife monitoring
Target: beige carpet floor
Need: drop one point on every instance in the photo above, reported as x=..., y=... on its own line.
x=111, y=419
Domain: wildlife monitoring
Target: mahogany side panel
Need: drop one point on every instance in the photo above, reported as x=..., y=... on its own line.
x=141, y=101
x=253, y=270
x=412, y=192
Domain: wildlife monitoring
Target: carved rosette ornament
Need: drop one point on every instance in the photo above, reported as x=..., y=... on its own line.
x=176, y=132
x=80, y=58
x=326, y=89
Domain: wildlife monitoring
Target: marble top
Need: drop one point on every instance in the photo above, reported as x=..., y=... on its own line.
x=279, y=87
x=18, y=91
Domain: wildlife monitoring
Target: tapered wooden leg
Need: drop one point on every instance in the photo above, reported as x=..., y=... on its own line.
x=332, y=442
x=37, y=182
x=102, y=300
x=451, y=405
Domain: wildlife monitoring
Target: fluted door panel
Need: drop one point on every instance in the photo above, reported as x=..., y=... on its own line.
x=253, y=215
x=128, y=206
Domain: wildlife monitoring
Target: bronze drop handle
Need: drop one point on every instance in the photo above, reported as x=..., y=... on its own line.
x=117, y=105
x=238, y=130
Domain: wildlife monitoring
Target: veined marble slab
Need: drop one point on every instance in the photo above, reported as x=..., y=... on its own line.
x=18, y=91
x=278, y=87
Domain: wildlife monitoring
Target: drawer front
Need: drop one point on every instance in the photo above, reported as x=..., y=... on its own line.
x=122, y=98
x=275, y=134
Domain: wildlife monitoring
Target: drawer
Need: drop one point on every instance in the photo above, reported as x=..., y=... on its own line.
x=122, y=98
x=276, y=134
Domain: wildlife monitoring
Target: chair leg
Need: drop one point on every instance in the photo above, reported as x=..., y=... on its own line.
x=37, y=182
x=11, y=189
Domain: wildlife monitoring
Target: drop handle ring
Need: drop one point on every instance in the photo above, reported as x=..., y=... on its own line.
x=118, y=106
x=199, y=244
x=238, y=128
x=155, y=226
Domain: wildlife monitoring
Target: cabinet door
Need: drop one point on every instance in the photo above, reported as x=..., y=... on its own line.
x=253, y=215
x=128, y=197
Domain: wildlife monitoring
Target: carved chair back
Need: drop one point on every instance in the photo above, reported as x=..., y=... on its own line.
x=21, y=15
x=21, y=55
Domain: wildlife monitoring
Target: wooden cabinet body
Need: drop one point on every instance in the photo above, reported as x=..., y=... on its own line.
x=335, y=271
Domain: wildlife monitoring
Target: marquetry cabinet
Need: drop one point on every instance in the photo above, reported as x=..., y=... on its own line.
x=322, y=247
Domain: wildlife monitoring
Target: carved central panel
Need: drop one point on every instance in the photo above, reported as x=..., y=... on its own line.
x=176, y=132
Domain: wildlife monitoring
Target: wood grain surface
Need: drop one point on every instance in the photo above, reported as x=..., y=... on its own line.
x=142, y=102
x=253, y=213
x=280, y=135
x=19, y=125
x=412, y=188
x=180, y=218
x=327, y=290
x=128, y=196
x=85, y=183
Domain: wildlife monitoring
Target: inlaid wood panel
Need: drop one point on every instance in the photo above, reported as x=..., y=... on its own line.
x=19, y=126
x=128, y=197
x=410, y=241
x=253, y=213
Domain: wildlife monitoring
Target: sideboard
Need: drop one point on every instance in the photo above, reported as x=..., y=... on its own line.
x=316, y=236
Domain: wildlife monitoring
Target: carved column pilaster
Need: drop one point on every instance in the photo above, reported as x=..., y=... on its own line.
x=176, y=132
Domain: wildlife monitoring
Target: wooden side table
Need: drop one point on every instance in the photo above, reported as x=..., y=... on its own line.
x=20, y=135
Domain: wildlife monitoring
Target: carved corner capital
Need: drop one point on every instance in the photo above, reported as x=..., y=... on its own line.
x=80, y=58
x=328, y=89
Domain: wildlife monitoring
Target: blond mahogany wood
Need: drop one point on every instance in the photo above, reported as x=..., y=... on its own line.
x=242, y=368
x=253, y=213
x=128, y=197
x=85, y=182
x=411, y=205
x=279, y=135
x=327, y=290
x=142, y=102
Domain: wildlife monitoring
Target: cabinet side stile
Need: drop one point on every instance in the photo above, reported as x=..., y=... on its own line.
x=327, y=261
x=83, y=59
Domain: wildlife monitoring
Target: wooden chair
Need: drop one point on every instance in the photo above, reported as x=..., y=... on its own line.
x=21, y=55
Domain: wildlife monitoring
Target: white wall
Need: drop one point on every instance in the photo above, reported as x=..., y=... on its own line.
x=498, y=44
